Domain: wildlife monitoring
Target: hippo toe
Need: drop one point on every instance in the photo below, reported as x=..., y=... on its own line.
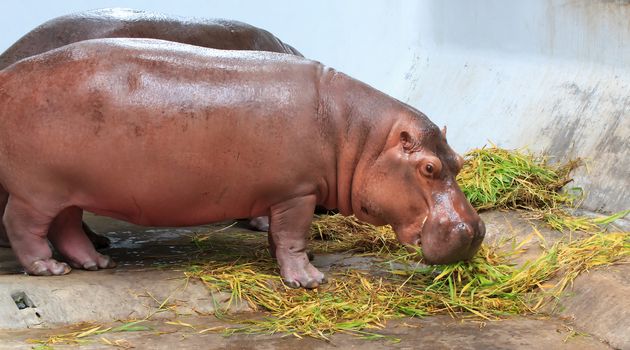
x=309, y=277
x=48, y=267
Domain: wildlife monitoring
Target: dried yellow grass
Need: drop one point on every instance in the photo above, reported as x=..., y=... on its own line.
x=360, y=303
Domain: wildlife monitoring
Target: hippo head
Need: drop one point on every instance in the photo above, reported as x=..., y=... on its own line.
x=411, y=185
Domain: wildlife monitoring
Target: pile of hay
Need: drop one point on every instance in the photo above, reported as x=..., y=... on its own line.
x=496, y=178
x=493, y=177
x=337, y=233
x=359, y=303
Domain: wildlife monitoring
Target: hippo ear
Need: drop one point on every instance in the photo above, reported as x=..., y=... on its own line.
x=407, y=141
x=444, y=132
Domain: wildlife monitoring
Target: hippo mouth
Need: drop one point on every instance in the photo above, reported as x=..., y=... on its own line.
x=418, y=239
x=458, y=243
x=412, y=242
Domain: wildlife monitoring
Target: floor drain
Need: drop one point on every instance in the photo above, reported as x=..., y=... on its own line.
x=22, y=301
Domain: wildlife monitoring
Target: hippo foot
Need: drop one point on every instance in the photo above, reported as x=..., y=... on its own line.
x=48, y=267
x=100, y=261
x=260, y=223
x=309, y=277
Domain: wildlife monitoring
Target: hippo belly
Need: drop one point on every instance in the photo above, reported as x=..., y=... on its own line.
x=185, y=141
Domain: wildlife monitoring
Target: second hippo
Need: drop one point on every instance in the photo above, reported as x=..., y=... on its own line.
x=130, y=23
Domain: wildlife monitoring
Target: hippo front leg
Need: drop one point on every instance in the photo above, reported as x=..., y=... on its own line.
x=288, y=233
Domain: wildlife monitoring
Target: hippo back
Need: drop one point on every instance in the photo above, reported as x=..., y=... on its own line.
x=128, y=23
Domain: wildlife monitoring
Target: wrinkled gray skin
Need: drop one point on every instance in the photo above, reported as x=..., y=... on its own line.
x=165, y=134
x=129, y=23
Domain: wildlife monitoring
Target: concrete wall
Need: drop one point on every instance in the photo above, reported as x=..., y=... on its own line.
x=552, y=75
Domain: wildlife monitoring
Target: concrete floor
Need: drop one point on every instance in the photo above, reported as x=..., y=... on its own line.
x=150, y=270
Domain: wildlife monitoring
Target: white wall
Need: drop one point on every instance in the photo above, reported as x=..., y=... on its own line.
x=353, y=36
x=548, y=74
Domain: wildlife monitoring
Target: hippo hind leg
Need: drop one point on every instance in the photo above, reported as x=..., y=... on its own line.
x=99, y=241
x=26, y=228
x=290, y=223
x=68, y=237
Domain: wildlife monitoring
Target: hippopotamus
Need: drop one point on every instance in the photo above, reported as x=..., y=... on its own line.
x=159, y=133
x=129, y=23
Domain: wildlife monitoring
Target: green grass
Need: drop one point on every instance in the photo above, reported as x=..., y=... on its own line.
x=496, y=178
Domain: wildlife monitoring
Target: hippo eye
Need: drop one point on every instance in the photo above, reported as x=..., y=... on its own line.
x=430, y=167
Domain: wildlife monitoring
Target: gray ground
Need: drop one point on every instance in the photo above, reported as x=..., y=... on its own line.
x=594, y=314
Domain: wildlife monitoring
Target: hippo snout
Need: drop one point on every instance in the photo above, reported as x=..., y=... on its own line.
x=458, y=243
x=469, y=233
x=481, y=232
x=463, y=231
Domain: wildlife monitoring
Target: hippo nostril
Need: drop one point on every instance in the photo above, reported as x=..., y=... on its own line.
x=464, y=229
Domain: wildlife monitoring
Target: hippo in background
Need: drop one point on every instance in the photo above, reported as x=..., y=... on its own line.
x=129, y=23
x=169, y=134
